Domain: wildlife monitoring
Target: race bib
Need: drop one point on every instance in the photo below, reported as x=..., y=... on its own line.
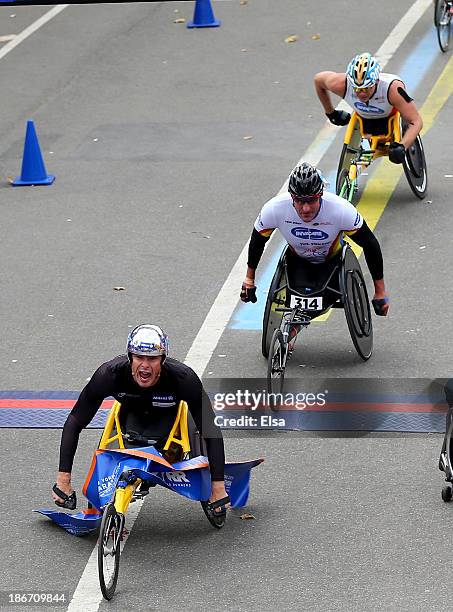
x=306, y=303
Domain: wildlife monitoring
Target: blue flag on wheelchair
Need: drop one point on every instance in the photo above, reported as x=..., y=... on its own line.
x=189, y=478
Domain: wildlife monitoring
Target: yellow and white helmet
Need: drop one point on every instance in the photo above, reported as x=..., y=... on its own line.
x=363, y=71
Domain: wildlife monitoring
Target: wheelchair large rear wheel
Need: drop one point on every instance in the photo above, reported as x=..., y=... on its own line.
x=276, y=365
x=109, y=550
x=414, y=166
x=348, y=152
x=272, y=319
x=356, y=304
x=442, y=19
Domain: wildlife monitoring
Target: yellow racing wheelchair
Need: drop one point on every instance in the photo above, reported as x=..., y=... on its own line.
x=365, y=141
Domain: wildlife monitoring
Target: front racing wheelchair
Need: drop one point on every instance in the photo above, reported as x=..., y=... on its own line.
x=289, y=309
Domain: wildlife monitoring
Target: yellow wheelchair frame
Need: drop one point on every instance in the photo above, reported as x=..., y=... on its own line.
x=354, y=159
x=178, y=437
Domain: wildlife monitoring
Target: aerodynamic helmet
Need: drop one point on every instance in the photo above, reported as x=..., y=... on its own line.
x=363, y=71
x=305, y=181
x=147, y=340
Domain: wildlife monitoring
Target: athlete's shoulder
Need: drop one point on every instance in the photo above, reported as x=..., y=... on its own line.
x=281, y=199
x=114, y=367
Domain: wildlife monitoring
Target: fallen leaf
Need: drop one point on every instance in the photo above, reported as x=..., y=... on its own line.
x=448, y=175
x=119, y=288
x=7, y=38
x=316, y=36
x=428, y=202
x=247, y=137
x=246, y=516
x=243, y=2
x=244, y=50
x=180, y=20
x=291, y=39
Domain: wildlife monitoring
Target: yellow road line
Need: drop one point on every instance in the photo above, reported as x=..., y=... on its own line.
x=381, y=185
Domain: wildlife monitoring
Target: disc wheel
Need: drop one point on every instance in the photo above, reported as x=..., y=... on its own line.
x=442, y=19
x=414, y=166
x=356, y=305
x=109, y=550
x=276, y=364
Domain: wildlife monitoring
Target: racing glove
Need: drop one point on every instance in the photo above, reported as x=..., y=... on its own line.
x=248, y=293
x=338, y=117
x=397, y=152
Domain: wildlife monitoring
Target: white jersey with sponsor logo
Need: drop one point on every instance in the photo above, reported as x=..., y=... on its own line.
x=378, y=105
x=316, y=240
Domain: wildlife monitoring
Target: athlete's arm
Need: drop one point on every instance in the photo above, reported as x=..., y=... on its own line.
x=262, y=231
x=85, y=408
x=400, y=99
x=329, y=82
x=365, y=238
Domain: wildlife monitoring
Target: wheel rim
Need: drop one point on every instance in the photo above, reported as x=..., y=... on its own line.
x=109, y=550
x=443, y=17
x=276, y=370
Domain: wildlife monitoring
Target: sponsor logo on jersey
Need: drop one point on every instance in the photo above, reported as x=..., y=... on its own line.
x=307, y=233
x=368, y=108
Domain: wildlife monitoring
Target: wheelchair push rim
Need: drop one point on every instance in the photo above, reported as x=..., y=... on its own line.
x=276, y=365
x=356, y=304
x=109, y=550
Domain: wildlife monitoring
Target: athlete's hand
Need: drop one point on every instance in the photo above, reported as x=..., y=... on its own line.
x=248, y=292
x=338, y=117
x=397, y=152
x=381, y=306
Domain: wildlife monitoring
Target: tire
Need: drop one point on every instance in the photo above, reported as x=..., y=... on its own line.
x=272, y=320
x=447, y=493
x=216, y=521
x=276, y=364
x=347, y=153
x=109, y=550
x=414, y=166
x=442, y=20
x=356, y=304
x=448, y=442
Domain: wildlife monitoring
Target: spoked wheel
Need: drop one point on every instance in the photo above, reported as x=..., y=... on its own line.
x=414, y=166
x=356, y=304
x=216, y=521
x=109, y=550
x=442, y=19
x=276, y=364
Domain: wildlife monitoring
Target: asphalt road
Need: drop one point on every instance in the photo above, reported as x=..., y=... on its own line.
x=143, y=123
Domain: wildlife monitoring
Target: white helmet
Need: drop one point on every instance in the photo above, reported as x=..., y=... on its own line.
x=147, y=340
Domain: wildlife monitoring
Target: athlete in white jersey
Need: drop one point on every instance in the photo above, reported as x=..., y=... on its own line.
x=374, y=95
x=313, y=223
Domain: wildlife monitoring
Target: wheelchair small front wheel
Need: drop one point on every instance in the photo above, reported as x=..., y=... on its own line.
x=276, y=365
x=109, y=550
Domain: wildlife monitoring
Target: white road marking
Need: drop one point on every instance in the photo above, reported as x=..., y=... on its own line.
x=226, y=301
x=31, y=29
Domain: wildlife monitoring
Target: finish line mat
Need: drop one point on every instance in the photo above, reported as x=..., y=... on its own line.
x=401, y=405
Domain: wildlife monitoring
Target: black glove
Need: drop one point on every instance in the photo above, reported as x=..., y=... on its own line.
x=338, y=117
x=378, y=306
x=69, y=501
x=397, y=152
x=248, y=294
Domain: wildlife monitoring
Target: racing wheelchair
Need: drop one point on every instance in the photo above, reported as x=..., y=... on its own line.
x=288, y=310
x=355, y=157
x=126, y=465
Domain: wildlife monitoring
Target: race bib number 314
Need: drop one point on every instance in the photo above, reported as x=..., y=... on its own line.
x=306, y=303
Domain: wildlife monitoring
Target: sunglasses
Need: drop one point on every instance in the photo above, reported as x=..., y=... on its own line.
x=306, y=199
x=363, y=89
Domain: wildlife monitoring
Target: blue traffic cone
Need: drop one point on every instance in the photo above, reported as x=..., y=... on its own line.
x=33, y=169
x=203, y=16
